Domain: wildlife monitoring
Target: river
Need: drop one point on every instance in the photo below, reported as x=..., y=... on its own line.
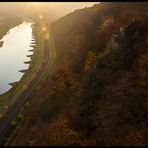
x=14, y=53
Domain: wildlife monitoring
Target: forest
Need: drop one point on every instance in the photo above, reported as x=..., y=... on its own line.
x=98, y=94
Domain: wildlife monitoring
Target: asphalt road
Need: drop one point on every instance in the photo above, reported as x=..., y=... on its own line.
x=25, y=95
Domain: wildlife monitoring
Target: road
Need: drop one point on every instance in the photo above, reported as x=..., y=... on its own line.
x=25, y=95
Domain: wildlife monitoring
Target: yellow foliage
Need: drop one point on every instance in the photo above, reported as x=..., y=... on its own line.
x=91, y=57
x=107, y=24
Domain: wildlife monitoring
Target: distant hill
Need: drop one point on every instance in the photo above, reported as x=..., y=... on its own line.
x=98, y=95
x=7, y=23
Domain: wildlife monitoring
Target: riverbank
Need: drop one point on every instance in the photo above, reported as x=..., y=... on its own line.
x=33, y=68
x=23, y=97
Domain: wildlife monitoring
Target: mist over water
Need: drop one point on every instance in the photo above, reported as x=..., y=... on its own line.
x=14, y=53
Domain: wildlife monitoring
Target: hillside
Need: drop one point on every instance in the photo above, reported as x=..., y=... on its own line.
x=98, y=93
x=7, y=23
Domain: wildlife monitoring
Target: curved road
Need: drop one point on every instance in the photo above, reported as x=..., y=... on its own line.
x=25, y=95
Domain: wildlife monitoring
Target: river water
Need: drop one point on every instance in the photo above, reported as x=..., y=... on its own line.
x=14, y=53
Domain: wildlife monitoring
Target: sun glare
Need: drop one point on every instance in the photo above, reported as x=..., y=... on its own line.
x=35, y=3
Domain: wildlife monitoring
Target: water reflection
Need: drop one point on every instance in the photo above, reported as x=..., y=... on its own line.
x=14, y=53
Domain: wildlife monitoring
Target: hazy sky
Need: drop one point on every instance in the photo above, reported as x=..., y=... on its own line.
x=55, y=8
x=62, y=7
